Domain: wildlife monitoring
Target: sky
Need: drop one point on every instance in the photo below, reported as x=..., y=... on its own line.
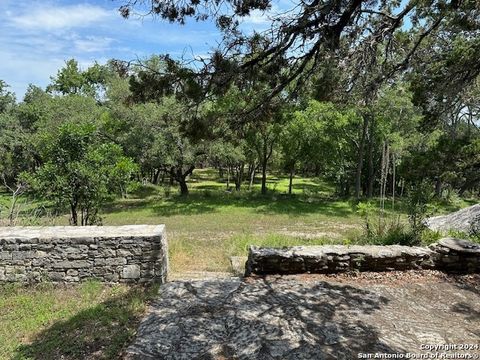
x=37, y=37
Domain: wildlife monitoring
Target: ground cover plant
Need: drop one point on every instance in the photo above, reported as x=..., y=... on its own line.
x=213, y=223
x=342, y=122
x=87, y=321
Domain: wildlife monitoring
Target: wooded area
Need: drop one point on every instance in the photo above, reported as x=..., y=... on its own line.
x=378, y=99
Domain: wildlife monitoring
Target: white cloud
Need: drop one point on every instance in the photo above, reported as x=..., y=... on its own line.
x=259, y=20
x=258, y=17
x=93, y=44
x=61, y=17
x=37, y=37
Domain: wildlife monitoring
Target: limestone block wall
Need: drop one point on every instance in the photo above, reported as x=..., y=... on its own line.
x=133, y=254
x=457, y=256
x=447, y=255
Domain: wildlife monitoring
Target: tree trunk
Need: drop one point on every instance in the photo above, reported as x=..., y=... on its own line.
x=228, y=178
x=156, y=175
x=162, y=180
x=384, y=176
x=371, y=172
x=172, y=176
x=394, y=180
x=239, y=176
x=181, y=178
x=264, y=176
x=265, y=157
x=183, y=187
x=438, y=187
x=73, y=214
x=252, y=176
x=361, y=153
x=290, y=183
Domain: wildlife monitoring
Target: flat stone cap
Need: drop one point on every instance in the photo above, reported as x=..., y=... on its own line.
x=73, y=232
x=313, y=251
x=460, y=245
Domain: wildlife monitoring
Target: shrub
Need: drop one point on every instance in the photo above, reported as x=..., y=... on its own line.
x=78, y=171
x=417, y=207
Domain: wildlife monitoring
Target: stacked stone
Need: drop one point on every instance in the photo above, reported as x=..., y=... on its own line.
x=456, y=255
x=71, y=254
x=449, y=255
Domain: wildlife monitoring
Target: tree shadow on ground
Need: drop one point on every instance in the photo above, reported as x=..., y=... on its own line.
x=273, y=203
x=269, y=204
x=99, y=332
x=259, y=319
x=468, y=282
x=465, y=309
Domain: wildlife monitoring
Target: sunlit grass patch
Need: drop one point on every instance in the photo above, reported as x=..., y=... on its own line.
x=88, y=320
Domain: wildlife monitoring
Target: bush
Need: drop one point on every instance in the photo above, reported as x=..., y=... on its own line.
x=429, y=236
x=384, y=229
x=417, y=207
x=78, y=171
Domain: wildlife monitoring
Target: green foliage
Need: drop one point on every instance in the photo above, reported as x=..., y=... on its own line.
x=388, y=229
x=72, y=80
x=79, y=171
x=429, y=236
x=7, y=98
x=320, y=129
x=417, y=207
x=383, y=229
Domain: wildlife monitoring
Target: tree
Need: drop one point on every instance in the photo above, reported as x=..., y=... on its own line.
x=79, y=170
x=177, y=135
x=15, y=154
x=7, y=98
x=72, y=80
x=157, y=135
x=324, y=137
x=307, y=33
x=395, y=121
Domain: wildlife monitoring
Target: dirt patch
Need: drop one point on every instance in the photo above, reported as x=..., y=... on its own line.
x=389, y=278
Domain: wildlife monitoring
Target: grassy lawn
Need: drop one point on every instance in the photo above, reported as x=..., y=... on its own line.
x=211, y=224
x=96, y=321
x=87, y=321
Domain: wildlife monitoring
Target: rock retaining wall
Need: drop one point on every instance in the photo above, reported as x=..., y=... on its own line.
x=339, y=258
x=136, y=253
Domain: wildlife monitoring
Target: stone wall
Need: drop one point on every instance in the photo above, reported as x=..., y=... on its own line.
x=448, y=255
x=134, y=254
x=457, y=255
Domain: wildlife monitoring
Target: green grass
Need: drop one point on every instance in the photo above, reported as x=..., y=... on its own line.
x=90, y=320
x=203, y=227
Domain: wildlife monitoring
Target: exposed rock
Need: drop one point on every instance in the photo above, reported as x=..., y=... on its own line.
x=460, y=245
x=462, y=220
x=292, y=318
x=238, y=264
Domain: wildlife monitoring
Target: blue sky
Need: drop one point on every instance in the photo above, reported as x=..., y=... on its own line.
x=37, y=37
